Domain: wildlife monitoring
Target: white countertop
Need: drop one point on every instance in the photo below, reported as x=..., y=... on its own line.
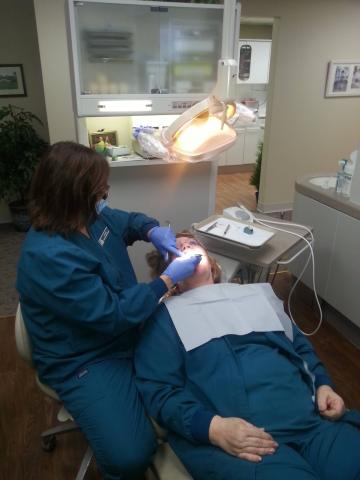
x=135, y=160
x=328, y=196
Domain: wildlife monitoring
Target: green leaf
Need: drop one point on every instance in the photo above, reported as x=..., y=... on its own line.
x=20, y=150
x=255, y=177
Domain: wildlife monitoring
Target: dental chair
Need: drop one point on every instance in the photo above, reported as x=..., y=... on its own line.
x=48, y=438
x=165, y=465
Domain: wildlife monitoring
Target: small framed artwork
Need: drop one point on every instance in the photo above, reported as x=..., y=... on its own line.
x=343, y=79
x=12, y=82
x=101, y=140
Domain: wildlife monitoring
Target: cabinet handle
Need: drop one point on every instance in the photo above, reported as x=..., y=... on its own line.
x=159, y=9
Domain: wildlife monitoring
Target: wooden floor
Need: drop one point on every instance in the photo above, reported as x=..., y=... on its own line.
x=25, y=412
x=233, y=188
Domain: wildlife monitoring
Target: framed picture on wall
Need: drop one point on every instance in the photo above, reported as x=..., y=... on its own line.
x=343, y=79
x=100, y=140
x=12, y=82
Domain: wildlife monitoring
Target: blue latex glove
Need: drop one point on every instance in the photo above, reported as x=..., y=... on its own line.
x=163, y=239
x=182, y=267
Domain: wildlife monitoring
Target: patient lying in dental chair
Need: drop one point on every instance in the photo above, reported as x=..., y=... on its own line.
x=239, y=388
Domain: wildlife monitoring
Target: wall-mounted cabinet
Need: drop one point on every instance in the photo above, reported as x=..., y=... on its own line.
x=254, y=61
x=244, y=149
x=235, y=154
x=164, y=53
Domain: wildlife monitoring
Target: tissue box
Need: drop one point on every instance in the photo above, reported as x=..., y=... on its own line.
x=118, y=151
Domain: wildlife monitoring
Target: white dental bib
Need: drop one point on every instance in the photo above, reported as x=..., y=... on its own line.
x=213, y=311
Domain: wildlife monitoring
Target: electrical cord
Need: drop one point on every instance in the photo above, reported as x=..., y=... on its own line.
x=309, y=244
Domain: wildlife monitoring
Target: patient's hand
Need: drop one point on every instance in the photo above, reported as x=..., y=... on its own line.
x=330, y=404
x=240, y=438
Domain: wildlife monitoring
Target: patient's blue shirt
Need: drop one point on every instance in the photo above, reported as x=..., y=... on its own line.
x=280, y=400
x=262, y=377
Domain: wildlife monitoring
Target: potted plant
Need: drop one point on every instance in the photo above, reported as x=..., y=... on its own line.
x=255, y=177
x=20, y=150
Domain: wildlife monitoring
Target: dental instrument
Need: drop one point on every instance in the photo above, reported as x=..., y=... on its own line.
x=169, y=229
x=211, y=227
x=227, y=229
x=249, y=230
x=167, y=253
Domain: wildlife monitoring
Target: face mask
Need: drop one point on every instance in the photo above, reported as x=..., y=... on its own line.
x=100, y=205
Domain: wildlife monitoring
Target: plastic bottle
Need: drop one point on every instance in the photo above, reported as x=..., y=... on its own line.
x=339, y=182
x=348, y=174
x=355, y=183
x=340, y=177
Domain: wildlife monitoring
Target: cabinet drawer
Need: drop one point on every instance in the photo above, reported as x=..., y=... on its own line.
x=235, y=154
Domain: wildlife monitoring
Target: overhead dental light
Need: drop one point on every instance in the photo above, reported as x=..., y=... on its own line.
x=205, y=130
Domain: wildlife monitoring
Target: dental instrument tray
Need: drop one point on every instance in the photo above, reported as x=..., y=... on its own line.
x=222, y=229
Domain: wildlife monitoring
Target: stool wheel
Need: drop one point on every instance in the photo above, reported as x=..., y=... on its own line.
x=48, y=444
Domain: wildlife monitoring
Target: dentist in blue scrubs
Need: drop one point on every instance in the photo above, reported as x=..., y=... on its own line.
x=83, y=306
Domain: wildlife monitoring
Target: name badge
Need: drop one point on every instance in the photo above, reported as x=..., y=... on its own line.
x=103, y=236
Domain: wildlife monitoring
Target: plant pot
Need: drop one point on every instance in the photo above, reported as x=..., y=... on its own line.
x=20, y=216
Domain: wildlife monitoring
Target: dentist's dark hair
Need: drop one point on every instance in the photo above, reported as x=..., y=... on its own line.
x=67, y=183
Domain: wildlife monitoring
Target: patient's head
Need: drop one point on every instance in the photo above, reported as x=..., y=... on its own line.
x=208, y=270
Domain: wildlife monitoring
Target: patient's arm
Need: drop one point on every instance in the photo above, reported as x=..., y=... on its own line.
x=304, y=348
x=241, y=439
x=160, y=372
x=329, y=403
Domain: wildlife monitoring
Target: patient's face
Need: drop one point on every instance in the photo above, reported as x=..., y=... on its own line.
x=190, y=246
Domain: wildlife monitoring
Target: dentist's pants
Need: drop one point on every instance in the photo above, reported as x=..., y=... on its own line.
x=105, y=404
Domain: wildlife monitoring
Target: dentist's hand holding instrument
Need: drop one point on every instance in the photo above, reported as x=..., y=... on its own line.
x=182, y=267
x=163, y=239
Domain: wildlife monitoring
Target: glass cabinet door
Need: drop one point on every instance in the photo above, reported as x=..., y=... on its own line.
x=191, y=47
x=141, y=47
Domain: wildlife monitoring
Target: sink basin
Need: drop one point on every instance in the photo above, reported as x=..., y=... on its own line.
x=324, y=182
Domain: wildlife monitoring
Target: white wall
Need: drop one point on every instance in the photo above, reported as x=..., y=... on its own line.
x=305, y=132
x=257, y=31
x=55, y=64
x=19, y=45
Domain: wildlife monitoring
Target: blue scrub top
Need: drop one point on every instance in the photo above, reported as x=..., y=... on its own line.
x=79, y=296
